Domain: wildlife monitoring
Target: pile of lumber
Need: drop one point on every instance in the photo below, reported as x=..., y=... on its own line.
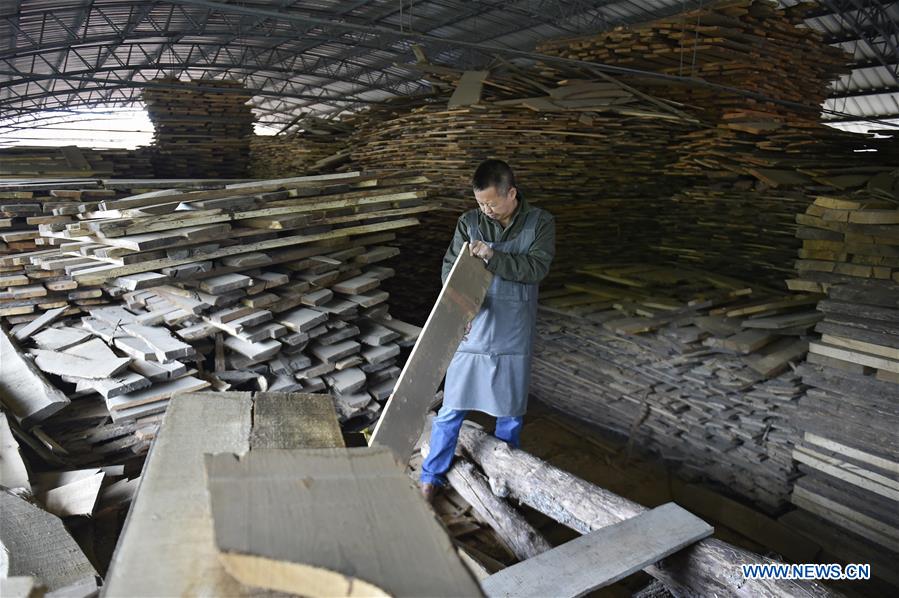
x=693, y=366
x=794, y=152
x=28, y=290
x=269, y=285
x=202, y=128
x=23, y=162
x=850, y=414
x=744, y=44
x=555, y=156
x=848, y=239
x=273, y=156
x=748, y=232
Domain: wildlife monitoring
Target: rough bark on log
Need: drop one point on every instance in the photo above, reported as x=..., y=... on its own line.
x=511, y=527
x=708, y=568
x=509, y=524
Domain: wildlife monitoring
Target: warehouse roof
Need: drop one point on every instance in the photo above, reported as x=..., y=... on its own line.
x=328, y=56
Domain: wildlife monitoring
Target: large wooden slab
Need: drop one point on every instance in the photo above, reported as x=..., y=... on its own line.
x=170, y=524
x=23, y=387
x=458, y=303
x=315, y=522
x=601, y=557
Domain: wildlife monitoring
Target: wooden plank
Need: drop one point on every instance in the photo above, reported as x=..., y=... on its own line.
x=37, y=544
x=601, y=557
x=23, y=387
x=35, y=325
x=468, y=89
x=459, y=301
x=13, y=471
x=102, y=273
x=170, y=523
x=318, y=522
x=865, y=359
x=70, y=364
x=284, y=421
x=71, y=497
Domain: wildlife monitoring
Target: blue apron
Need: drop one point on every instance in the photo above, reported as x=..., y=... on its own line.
x=491, y=369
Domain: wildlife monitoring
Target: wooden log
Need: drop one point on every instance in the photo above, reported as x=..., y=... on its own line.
x=458, y=303
x=704, y=569
x=601, y=557
x=512, y=528
x=23, y=387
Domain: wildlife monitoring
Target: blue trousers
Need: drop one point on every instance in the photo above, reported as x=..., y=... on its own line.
x=445, y=435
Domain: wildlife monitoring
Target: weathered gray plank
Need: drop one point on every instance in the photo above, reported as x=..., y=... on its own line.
x=170, y=524
x=13, y=471
x=458, y=303
x=601, y=557
x=286, y=421
x=33, y=542
x=23, y=387
x=304, y=521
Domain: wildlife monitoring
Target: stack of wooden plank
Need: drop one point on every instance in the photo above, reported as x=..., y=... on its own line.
x=850, y=413
x=739, y=43
x=688, y=364
x=775, y=151
x=750, y=233
x=273, y=156
x=200, y=131
x=847, y=239
x=270, y=285
x=27, y=290
x=24, y=162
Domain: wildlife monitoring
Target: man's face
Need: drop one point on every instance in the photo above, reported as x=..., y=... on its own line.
x=494, y=205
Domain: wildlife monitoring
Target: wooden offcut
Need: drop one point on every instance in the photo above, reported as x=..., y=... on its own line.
x=23, y=387
x=336, y=515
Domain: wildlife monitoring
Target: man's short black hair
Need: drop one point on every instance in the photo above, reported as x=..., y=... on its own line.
x=493, y=173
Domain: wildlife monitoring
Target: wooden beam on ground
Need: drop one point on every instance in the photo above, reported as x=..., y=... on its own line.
x=459, y=301
x=23, y=387
x=701, y=570
x=36, y=543
x=317, y=522
x=601, y=557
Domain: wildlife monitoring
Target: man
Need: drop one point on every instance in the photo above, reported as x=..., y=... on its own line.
x=491, y=369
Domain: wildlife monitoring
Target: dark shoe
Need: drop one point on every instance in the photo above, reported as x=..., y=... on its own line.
x=429, y=491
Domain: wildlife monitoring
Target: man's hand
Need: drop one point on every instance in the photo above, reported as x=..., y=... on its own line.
x=481, y=250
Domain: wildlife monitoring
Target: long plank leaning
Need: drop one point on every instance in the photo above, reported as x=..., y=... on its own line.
x=170, y=523
x=330, y=522
x=23, y=387
x=601, y=557
x=458, y=303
